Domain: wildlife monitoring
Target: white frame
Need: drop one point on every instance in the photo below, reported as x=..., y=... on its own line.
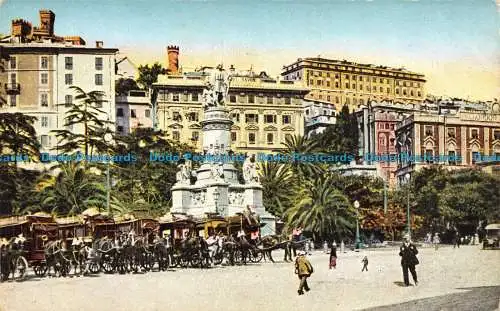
x=40, y=61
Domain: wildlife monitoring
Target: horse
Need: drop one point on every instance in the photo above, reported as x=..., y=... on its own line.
x=55, y=257
x=163, y=252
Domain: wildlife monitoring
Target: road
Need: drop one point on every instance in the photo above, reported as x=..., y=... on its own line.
x=449, y=279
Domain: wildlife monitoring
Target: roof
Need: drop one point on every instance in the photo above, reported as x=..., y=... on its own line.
x=492, y=227
x=34, y=48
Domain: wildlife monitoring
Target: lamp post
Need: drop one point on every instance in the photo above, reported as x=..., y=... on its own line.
x=108, y=138
x=357, y=241
x=216, y=195
x=408, y=228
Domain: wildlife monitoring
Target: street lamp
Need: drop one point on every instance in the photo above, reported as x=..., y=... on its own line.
x=108, y=138
x=216, y=195
x=408, y=228
x=357, y=242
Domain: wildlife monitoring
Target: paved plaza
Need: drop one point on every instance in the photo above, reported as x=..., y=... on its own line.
x=449, y=279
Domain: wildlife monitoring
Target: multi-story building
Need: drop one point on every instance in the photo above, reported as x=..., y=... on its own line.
x=348, y=83
x=40, y=68
x=458, y=135
x=133, y=111
x=264, y=110
x=318, y=115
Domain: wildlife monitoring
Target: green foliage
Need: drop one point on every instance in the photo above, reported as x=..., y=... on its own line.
x=149, y=74
x=297, y=144
x=123, y=86
x=279, y=186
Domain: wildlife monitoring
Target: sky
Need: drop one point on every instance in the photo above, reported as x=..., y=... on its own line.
x=455, y=43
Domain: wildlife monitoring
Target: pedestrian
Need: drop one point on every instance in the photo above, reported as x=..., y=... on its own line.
x=303, y=269
x=325, y=247
x=365, y=264
x=333, y=256
x=342, y=247
x=435, y=241
x=409, y=260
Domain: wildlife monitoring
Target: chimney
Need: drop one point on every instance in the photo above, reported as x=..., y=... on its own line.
x=20, y=28
x=47, y=19
x=99, y=44
x=172, y=59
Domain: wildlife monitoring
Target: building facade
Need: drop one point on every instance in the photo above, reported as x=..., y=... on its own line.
x=348, y=83
x=133, y=111
x=458, y=135
x=318, y=115
x=38, y=70
x=263, y=110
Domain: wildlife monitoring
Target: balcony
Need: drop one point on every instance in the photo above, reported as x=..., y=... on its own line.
x=12, y=88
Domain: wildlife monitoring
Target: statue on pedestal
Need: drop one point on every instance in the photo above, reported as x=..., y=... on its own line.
x=217, y=170
x=183, y=176
x=217, y=89
x=250, y=171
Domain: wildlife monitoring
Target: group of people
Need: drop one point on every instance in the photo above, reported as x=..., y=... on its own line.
x=408, y=253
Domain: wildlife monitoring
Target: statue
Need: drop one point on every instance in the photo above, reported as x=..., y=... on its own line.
x=217, y=170
x=208, y=96
x=250, y=171
x=231, y=198
x=218, y=88
x=183, y=176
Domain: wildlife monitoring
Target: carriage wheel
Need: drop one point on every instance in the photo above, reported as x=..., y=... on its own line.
x=195, y=260
x=256, y=256
x=217, y=259
x=229, y=256
x=40, y=269
x=107, y=264
x=148, y=261
x=94, y=268
x=238, y=257
x=20, y=268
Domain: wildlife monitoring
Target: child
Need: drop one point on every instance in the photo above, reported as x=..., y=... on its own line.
x=365, y=264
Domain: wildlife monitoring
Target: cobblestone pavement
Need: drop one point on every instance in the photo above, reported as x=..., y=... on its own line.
x=449, y=279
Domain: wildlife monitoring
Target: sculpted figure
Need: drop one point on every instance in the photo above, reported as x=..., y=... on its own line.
x=250, y=171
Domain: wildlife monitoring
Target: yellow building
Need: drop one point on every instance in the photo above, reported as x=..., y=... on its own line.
x=343, y=82
x=264, y=110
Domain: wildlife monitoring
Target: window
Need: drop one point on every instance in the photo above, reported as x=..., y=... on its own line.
x=44, y=62
x=192, y=116
x=474, y=133
x=176, y=116
x=185, y=97
x=337, y=99
x=119, y=129
x=68, y=79
x=251, y=118
x=98, y=79
x=451, y=132
x=44, y=121
x=388, y=90
x=251, y=138
x=336, y=84
x=176, y=135
x=404, y=92
x=13, y=62
x=288, y=100
x=147, y=113
x=318, y=82
x=411, y=92
x=361, y=101
x=13, y=79
x=328, y=98
x=119, y=112
x=347, y=77
x=368, y=88
x=328, y=83
x=13, y=100
x=194, y=97
x=285, y=119
x=429, y=156
x=175, y=97
x=361, y=87
x=132, y=113
x=195, y=136
x=270, y=118
x=496, y=134
x=270, y=138
x=381, y=89
x=68, y=100
x=428, y=130
x=44, y=78
x=354, y=86
x=98, y=63
x=419, y=94
x=387, y=126
x=475, y=157
x=381, y=141
x=44, y=99
x=347, y=85
x=251, y=99
x=233, y=136
x=68, y=63
x=360, y=78
x=270, y=100
x=232, y=98
x=381, y=80
x=392, y=127
x=311, y=82
x=397, y=91
x=235, y=117
x=307, y=112
x=452, y=158
x=374, y=79
x=44, y=140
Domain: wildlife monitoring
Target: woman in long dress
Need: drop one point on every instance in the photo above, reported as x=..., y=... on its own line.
x=333, y=256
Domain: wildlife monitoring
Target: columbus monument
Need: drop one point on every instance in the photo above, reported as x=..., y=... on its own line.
x=214, y=188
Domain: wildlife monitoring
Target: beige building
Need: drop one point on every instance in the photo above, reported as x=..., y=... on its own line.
x=39, y=69
x=264, y=110
x=343, y=82
x=133, y=111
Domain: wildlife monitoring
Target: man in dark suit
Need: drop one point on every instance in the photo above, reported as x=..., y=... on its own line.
x=408, y=253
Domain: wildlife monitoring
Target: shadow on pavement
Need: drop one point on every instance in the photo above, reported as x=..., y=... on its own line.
x=486, y=298
x=401, y=284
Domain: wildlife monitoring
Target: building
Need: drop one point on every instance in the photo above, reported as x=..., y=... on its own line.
x=318, y=115
x=459, y=135
x=263, y=110
x=126, y=69
x=133, y=111
x=353, y=84
x=39, y=69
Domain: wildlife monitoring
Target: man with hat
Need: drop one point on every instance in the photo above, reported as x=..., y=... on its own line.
x=408, y=253
x=303, y=269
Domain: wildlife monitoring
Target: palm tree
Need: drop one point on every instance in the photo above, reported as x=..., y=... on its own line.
x=72, y=190
x=321, y=209
x=297, y=147
x=279, y=186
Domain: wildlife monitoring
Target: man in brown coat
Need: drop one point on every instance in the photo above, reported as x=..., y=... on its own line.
x=304, y=270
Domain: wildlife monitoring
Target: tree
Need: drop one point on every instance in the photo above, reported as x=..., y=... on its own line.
x=85, y=112
x=321, y=209
x=296, y=146
x=279, y=186
x=123, y=86
x=149, y=75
